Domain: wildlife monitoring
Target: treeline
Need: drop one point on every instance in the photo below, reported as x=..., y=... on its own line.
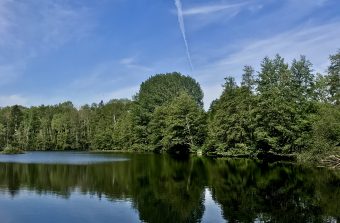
x=61, y=127
x=283, y=108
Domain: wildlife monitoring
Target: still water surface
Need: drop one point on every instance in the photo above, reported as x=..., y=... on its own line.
x=103, y=187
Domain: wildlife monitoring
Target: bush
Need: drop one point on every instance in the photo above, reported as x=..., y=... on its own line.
x=325, y=134
x=10, y=150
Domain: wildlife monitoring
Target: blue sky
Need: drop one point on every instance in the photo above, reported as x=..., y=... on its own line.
x=86, y=51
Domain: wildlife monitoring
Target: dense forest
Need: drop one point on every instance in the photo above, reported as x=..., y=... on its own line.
x=282, y=108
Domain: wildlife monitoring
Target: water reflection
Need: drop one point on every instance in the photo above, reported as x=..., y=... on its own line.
x=29, y=207
x=62, y=158
x=162, y=189
x=213, y=212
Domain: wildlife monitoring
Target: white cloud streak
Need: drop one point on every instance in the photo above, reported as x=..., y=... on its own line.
x=210, y=9
x=178, y=4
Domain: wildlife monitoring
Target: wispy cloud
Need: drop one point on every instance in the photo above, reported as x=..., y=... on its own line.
x=127, y=60
x=97, y=76
x=207, y=9
x=54, y=23
x=62, y=23
x=25, y=35
x=7, y=24
x=178, y=4
x=97, y=84
x=315, y=42
x=132, y=63
x=201, y=15
x=7, y=100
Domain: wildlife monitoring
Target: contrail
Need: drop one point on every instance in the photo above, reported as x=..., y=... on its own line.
x=182, y=27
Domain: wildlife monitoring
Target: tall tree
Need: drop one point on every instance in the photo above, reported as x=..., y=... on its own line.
x=157, y=91
x=179, y=126
x=275, y=107
x=334, y=78
x=248, y=80
x=2, y=136
x=303, y=78
x=14, y=120
x=230, y=127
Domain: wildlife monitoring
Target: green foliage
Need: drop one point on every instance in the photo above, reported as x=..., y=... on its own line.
x=178, y=126
x=230, y=117
x=9, y=150
x=285, y=109
x=61, y=127
x=118, y=124
x=321, y=89
x=155, y=98
x=2, y=135
x=123, y=136
x=326, y=130
x=162, y=88
x=334, y=78
x=283, y=105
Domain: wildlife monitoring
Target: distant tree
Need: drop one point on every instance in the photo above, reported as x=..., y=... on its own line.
x=248, y=80
x=2, y=136
x=230, y=126
x=105, y=120
x=14, y=120
x=123, y=134
x=321, y=89
x=302, y=78
x=334, y=78
x=276, y=108
x=326, y=130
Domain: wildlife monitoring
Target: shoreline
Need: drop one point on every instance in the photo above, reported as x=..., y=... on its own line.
x=267, y=157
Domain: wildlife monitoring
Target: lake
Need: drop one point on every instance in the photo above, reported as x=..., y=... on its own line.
x=111, y=187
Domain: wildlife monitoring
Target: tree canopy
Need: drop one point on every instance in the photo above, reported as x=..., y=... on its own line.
x=283, y=108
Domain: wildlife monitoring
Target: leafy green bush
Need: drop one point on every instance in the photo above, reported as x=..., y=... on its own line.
x=326, y=130
x=10, y=150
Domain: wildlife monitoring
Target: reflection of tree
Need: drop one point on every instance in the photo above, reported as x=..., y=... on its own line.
x=274, y=192
x=232, y=188
x=168, y=190
x=161, y=188
x=171, y=192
